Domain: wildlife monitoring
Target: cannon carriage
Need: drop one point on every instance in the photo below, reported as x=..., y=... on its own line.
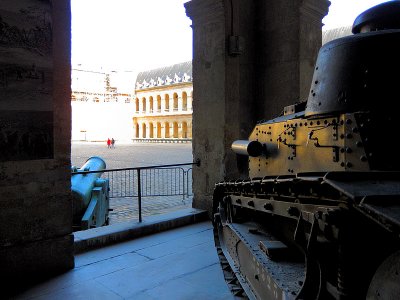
x=90, y=195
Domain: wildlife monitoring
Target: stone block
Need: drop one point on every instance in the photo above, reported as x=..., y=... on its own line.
x=33, y=217
x=31, y=262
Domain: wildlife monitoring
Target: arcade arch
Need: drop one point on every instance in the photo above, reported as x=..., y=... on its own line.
x=166, y=102
x=175, y=107
x=175, y=130
x=144, y=104
x=184, y=101
x=158, y=103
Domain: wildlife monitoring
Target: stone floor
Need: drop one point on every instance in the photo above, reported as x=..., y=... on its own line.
x=177, y=264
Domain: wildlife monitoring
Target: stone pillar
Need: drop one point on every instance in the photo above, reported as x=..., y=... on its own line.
x=180, y=131
x=134, y=127
x=151, y=105
x=35, y=198
x=311, y=14
x=289, y=36
x=154, y=129
x=250, y=59
x=189, y=100
x=171, y=129
x=141, y=133
x=147, y=110
x=208, y=17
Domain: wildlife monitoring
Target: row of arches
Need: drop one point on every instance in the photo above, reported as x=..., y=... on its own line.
x=163, y=130
x=157, y=104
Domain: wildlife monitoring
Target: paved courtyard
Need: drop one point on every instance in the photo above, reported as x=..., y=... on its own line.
x=130, y=155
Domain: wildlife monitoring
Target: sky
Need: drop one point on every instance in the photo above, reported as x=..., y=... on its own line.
x=130, y=34
x=343, y=12
x=137, y=35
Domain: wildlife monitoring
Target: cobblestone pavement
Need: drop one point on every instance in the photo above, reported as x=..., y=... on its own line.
x=126, y=209
x=136, y=155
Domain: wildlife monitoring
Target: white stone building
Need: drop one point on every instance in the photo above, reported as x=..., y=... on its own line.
x=102, y=105
x=163, y=104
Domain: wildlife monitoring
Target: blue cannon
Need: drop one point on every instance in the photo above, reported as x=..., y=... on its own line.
x=90, y=195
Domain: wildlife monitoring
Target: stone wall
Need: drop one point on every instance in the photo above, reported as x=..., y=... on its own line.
x=35, y=118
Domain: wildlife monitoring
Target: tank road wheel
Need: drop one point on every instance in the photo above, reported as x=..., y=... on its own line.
x=385, y=283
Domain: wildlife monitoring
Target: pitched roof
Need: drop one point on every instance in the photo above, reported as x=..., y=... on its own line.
x=169, y=75
x=335, y=33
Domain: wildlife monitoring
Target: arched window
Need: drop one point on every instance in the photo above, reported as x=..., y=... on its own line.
x=166, y=102
x=158, y=103
x=137, y=131
x=144, y=104
x=184, y=130
x=190, y=128
x=184, y=101
x=158, y=130
x=176, y=130
x=151, y=134
x=144, y=130
x=151, y=104
x=137, y=104
x=166, y=130
x=175, y=102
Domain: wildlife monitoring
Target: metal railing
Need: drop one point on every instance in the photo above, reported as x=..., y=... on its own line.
x=148, y=181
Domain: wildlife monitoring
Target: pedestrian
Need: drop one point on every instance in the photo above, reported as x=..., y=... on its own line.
x=108, y=143
x=112, y=143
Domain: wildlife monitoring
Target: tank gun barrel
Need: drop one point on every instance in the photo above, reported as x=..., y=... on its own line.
x=249, y=148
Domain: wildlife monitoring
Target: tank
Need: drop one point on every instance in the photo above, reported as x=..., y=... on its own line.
x=319, y=215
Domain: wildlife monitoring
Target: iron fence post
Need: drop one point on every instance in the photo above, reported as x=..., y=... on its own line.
x=139, y=196
x=184, y=175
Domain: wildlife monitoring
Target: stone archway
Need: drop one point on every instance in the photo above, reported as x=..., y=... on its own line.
x=159, y=136
x=184, y=130
x=175, y=130
x=166, y=99
x=184, y=101
x=144, y=133
x=151, y=130
x=167, y=130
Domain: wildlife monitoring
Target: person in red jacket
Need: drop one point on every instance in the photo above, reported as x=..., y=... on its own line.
x=108, y=143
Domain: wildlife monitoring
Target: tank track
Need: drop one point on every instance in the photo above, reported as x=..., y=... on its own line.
x=229, y=275
x=323, y=196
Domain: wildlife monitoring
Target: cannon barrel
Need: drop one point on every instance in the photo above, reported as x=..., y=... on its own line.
x=245, y=147
x=89, y=195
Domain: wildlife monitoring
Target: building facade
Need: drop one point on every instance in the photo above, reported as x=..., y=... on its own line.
x=164, y=104
x=102, y=105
